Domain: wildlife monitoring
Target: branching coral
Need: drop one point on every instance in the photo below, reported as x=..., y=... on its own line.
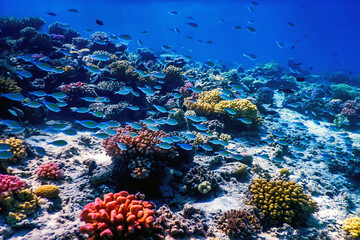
x=282, y=201
x=118, y=216
x=8, y=85
x=239, y=224
x=17, y=148
x=49, y=170
x=352, y=227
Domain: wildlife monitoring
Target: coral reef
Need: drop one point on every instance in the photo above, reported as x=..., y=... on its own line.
x=282, y=201
x=351, y=226
x=7, y=85
x=47, y=191
x=118, y=216
x=49, y=170
x=199, y=180
x=126, y=73
x=345, y=92
x=17, y=148
x=173, y=78
x=11, y=26
x=239, y=224
x=243, y=109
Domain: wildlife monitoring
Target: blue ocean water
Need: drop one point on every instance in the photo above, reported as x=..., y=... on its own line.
x=324, y=36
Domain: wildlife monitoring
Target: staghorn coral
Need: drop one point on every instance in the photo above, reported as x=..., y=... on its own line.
x=118, y=216
x=47, y=191
x=17, y=148
x=49, y=170
x=7, y=85
x=352, y=227
x=282, y=201
x=239, y=224
x=244, y=109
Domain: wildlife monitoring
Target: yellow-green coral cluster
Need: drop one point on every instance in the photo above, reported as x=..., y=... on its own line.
x=352, y=227
x=47, y=191
x=282, y=201
x=17, y=148
x=7, y=85
x=205, y=103
x=244, y=109
x=19, y=205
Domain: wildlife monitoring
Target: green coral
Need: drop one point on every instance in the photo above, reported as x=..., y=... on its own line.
x=282, y=201
x=204, y=187
x=345, y=92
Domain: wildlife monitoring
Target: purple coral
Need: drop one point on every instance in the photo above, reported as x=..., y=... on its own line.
x=350, y=108
x=184, y=90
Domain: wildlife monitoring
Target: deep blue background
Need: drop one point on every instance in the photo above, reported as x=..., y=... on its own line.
x=332, y=27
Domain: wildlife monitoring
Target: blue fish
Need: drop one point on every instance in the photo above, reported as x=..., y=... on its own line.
x=69, y=132
x=44, y=66
x=110, y=131
x=6, y=154
x=190, y=78
x=176, y=95
x=215, y=141
x=13, y=96
x=227, y=97
x=121, y=146
x=16, y=130
x=57, y=70
x=92, y=69
x=14, y=113
x=185, y=146
x=136, y=126
x=230, y=111
x=134, y=108
x=38, y=93
x=128, y=88
x=159, y=75
x=58, y=143
x=100, y=57
x=112, y=124
x=58, y=95
x=209, y=64
x=158, y=87
x=200, y=127
x=154, y=128
x=164, y=145
x=196, y=89
x=27, y=58
x=80, y=109
x=60, y=126
x=171, y=122
x=166, y=139
x=40, y=151
x=11, y=123
x=135, y=93
x=102, y=99
x=147, y=90
x=24, y=73
x=89, y=99
x=160, y=108
x=131, y=134
x=148, y=121
x=87, y=123
x=246, y=121
x=51, y=106
x=123, y=92
x=101, y=135
x=62, y=104
x=206, y=147
x=4, y=147
x=33, y=104
x=194, y=118
x=142, y=73
x=98, y=114
x=190, y=136
x=224, y=153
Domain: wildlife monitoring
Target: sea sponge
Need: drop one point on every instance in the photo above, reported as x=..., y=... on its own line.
x=7, y=85
x=352, y=227
x=47, y=191
x=243, y=107
x=17, y=148
x=118, y=216
x=282, y=201
x=49, y=170
x=239, y=224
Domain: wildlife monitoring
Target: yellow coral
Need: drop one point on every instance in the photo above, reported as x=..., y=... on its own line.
x=244, y=109
x=17, y=148
x=47, y=191
x=68, y=69
x=7, y=85
x=212, y=96
x=282, y=201
x=225, y=137
x=204, y=187
x=352, y=226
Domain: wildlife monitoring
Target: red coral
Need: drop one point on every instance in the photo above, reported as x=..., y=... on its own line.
x=49, y=170
x=10, y=184
x=119, y=216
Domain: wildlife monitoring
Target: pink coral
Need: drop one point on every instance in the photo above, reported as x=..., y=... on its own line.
x=49, y=170
x=118, y=216
x=350, y=108
x=10, y=183
x=184, y=90
x=67, y=88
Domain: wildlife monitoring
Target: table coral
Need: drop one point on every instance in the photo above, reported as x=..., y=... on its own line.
x=239, y=224
x=118, y=216
x=282, y=201
x=352, y=227
x=49, y=170
x=17, y=148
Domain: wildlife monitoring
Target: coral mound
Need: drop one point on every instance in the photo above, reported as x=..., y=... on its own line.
x=239, y=224
x=118, y=216
x=10, y=184
x=352, y=227
x=17, y=148
x=282, y=201
x=49, y=170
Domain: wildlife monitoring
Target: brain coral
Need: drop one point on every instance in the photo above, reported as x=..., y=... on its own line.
x=282, y=201
x=118, y=216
